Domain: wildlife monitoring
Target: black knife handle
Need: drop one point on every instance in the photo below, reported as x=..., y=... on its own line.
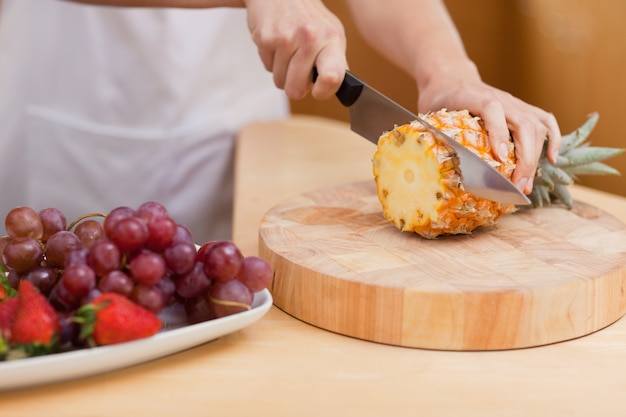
x=350, y=88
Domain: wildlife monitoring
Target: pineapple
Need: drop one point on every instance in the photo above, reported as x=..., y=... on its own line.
x=420, y=185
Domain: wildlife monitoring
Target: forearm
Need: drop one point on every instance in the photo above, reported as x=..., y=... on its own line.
x=427, y=43
x=165, y=3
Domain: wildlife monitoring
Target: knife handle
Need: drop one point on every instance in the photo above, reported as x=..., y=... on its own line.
x=350, y=88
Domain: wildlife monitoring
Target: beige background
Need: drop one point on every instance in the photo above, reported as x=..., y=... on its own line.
x=566, y=56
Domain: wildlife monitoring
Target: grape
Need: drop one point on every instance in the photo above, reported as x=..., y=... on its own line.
x=150, y=210
x=194, y=283
x=43, y=277
x=204, y=249
x=22, y=254
x=69, y=331
x=23, y=222
x=147, y=268
x=161, y=233
x=52, y=220
x=230, y=297
x=149, y=297
x=183, y=234
x=59, y=245
x=180, y=257
x=88, y=232
x=4, y=240
x=14, y=278
x=255, y=273
x=129, y=234
x=167, y=287
x=115, y=216
x=78, y=280
x=116, y=281
x=76, y=256
x=222, y=261
x=198, y=310
x=104, y=257
x=61, y=298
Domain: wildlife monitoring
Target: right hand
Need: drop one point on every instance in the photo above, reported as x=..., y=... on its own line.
x=293, y=37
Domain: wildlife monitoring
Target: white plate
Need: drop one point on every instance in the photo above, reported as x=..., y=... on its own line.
x=84, y=362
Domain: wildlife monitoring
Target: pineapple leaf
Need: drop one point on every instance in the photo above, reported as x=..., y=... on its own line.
x=587, y=154
x=557, y=175
x=561, y=193
x=535, y=197
x=592, y=168
x=574, y=139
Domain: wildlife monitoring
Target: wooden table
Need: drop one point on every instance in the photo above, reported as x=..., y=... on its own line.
x=283, y=367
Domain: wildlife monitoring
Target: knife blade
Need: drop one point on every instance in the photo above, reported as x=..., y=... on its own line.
x=372, y=114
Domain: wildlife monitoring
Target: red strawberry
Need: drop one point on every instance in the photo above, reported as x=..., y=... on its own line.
x=112, y=318
x=8, y=310
x=36, y=320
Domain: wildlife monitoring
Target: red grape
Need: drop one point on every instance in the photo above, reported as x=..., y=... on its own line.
x=183, y=234
x=180, y=257
x=78, y=280
x=255, y=273
x=52, y=220
x=88, y=232
x=198, y=310
x=149, y=297
x=222, y=261
x=129, y=234
x=150, y=210
x=59, y=245
x=115, y=216
x=161, y=233
x=204, y=249
x=104, y=257
x=147, y=268
x=116, y=281
x=230, y=297
x=194, y=283
x=23, y=221
x=168, y=288
x=4, y=240
x=76, y=256
x=22, y=254
x=43, y=277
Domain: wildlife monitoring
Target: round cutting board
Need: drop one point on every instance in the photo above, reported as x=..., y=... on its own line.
x=539, y=276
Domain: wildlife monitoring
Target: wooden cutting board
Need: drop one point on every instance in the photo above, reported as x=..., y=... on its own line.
x=539, y=276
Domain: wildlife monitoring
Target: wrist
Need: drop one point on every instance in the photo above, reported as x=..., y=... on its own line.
x=444, y=70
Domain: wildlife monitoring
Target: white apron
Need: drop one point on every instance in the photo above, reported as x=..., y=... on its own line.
x=102, y=107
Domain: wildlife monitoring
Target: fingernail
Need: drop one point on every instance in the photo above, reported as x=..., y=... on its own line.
x=521, y=184
x=503, y=152
x=555, y=155
x=529, y=186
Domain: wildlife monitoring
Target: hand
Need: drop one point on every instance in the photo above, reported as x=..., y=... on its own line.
x=502, y=113
x=293, y=37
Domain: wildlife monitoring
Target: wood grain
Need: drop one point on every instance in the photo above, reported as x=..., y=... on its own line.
x=537, y=277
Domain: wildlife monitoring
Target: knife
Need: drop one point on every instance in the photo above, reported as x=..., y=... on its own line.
x=372, y=114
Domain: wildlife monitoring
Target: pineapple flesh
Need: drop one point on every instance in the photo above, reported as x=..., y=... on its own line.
x=420, y=184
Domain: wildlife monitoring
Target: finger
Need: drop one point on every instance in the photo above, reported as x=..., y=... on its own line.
x=497, y=129
x=526, y=154
x=280, y=66
x=331, y=66
x=555, y=140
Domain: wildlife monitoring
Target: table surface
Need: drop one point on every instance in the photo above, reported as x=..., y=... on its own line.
x=281, y=366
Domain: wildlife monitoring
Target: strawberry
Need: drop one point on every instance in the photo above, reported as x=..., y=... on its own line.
x=113, y=318
x=8, y=310
x=36, y=321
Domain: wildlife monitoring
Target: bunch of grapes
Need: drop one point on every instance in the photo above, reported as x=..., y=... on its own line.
x=140, y=253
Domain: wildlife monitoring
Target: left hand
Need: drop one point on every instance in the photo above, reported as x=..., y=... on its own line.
x=504, y=115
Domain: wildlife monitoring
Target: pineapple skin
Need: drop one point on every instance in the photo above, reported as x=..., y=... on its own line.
x=419, y=182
